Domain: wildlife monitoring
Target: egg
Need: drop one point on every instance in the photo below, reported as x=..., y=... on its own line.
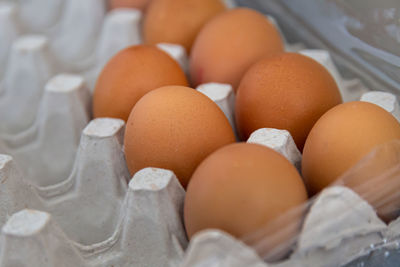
x=129, y=75
x=175, y=128
x=376, y=178
x=139, y=4
x=287, y=91
x=242, y=189
x=229, y=44
x=342, y=137
x=178, y=21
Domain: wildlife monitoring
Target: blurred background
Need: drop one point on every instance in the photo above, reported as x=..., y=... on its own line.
x=363, y=36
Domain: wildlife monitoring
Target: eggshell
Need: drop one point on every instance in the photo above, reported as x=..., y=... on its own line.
x=376, y=178
x=230, y=43
x=340, y=138
x=288, y=91
x=175, y=128
x=178, y=21
x=129, y=75
x=139, y=4
x=241, y=189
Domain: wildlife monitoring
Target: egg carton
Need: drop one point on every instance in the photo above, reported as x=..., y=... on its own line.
x=140, y=223
x=29, y=124
x=99, y=232
x=116, y=224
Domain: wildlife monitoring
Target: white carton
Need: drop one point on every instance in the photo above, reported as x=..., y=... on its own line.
x=9, y=31
x=121, y=28
x=39, y=16
x=47, y=148
x=28, y=70
x=139, y=225
x=279, y=140
x=73, y=38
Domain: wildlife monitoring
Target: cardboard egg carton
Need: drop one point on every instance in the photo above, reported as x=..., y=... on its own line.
x=67, y=202
x=42, y=110
x=97, y=218
x=140, y=224
x=81, y=38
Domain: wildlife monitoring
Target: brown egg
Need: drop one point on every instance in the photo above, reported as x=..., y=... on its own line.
x=340, y=138
x=139, y=4
x=242, y=189
x=376, y=178
x=230, y=43
x=178, y=21
x=131, y=74
x=175, y=128
x=286, y=91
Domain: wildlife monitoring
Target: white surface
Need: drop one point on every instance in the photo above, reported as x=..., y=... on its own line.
x=29, y=68
x=30, y=42
x=152, y=179
x=26, y=223
x=15, y=193
x=73, y=40
x=178, y=53
x=30, y=239
x=96, y=184
x=9, y=31
x=121, y=28
x=153, y=224
x=224, y=97
x=385, y=100
x=39, y=15
x=393, y=230
x=213, y=248
x=104, y=127
x=280, y=141
x=110, y=222
x=354, y=89
x=46, y=150
x=65, y=83
x=339, y=226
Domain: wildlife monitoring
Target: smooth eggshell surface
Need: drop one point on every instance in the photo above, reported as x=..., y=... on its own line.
x=342, y=137
x=288, y=91
x=178, y=21
x=229, y=44
x=129, y=75
x=175, y=128
x=242, y=188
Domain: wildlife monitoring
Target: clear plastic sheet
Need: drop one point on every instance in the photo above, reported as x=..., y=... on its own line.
x=375, y=178
x=362, y=35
